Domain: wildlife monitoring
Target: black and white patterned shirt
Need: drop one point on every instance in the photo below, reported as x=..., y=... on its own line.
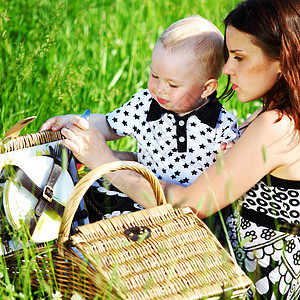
x=176, y=149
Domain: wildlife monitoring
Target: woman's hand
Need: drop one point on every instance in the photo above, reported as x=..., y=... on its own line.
x=87, y=143
x=89, y=147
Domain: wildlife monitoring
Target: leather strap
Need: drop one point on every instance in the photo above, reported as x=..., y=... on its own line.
x=29, y=185
x=44, y=197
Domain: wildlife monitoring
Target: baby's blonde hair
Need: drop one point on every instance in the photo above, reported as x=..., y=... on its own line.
x=201, y=37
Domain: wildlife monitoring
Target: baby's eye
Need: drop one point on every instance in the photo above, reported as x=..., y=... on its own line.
x=173, y=85
x=154, y=76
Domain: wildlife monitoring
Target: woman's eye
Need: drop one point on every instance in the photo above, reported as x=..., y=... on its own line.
x=238, y=58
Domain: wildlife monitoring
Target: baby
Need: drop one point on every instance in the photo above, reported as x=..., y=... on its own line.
x=177, y=122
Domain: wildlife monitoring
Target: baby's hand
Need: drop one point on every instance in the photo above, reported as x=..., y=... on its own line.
x=226, y=146
x=56, y=123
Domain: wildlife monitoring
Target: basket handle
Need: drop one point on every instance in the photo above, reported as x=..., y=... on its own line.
x=29, y=140
x=85, y=182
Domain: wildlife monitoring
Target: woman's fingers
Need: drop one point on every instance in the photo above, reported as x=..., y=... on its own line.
x=77, y=133
x=85, y=144
x=79, y=122
x=69, y=141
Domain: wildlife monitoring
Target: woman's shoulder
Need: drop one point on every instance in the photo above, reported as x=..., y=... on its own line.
x=276, y=132
x=272, y=115
x=271, y=141
x=273, y=131
x=273, y=122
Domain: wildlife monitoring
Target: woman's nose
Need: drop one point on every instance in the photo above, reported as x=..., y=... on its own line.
x=227, y=69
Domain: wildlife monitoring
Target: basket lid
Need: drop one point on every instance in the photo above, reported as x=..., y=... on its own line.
x=20, y=203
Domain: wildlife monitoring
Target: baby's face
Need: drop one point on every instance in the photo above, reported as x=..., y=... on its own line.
x=174, y=80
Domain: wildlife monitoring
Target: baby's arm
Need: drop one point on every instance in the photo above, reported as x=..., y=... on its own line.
x=100, y=123
x=56, y=123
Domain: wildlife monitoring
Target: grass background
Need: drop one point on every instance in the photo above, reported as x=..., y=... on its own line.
x=64, y=56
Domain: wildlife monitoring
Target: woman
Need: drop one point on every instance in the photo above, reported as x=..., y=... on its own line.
x=263, y=47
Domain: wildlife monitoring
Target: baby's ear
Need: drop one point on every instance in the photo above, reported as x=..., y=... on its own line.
x=209, y=87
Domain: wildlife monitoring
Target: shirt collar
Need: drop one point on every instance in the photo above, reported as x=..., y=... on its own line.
x=208, y=114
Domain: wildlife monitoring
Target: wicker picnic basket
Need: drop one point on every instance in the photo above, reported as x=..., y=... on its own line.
x=156, y=253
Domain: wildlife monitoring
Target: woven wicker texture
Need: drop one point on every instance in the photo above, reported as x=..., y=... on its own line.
x=68, y=273
x=181, y=259
x=29, y=140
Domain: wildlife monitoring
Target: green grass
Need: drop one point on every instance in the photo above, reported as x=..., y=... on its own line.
x=64, y=56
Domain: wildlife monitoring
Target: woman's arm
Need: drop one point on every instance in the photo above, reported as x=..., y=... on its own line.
x=125, y=155
x=263, y=147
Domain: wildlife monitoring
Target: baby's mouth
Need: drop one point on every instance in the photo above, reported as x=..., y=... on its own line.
x=162, y=101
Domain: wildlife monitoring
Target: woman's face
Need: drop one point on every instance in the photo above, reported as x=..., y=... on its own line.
x=252, y=73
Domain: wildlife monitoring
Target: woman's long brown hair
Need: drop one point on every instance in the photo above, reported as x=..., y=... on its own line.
x=275, y=28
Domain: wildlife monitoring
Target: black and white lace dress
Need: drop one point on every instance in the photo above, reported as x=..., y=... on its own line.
x=265, y=233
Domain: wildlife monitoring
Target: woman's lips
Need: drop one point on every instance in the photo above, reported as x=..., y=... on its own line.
x=162, y=101
x=234, y=87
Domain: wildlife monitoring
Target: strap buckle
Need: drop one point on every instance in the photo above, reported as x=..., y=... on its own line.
x=48, y=193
